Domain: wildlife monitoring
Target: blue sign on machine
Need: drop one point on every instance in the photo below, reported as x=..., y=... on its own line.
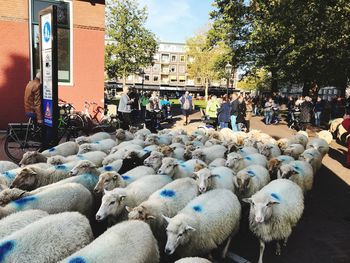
x=47, y=32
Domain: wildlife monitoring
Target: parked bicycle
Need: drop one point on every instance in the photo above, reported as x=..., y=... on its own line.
x=24, y=137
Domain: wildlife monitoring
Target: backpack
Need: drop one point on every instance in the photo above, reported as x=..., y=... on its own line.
x=186, y=105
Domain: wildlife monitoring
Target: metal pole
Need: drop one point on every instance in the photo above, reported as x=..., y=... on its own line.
x=143, y=78
x=228, y=83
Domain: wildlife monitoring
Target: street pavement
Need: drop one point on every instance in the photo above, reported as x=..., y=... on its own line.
x=323, y=233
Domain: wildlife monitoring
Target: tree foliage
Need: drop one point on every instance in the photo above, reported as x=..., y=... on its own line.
x=297, y=41
x=131, y=46
x=205, y=61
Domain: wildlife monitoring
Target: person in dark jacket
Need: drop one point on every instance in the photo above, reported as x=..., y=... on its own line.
x=234, y=111
x=318, y=108
x=224, y=113
x=305, y=112
x=241, y=113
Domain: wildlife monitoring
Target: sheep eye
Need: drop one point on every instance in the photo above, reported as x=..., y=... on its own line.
x=107, y=181
x=180, y=235
x=112, y=203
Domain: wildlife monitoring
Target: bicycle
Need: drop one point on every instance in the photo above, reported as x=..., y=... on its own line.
x=24, y=137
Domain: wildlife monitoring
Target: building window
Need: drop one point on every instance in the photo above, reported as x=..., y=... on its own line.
x=63, y=36
x=182, y=79
x=147, y=77
x=182, y=69
x=182, y=58
x=173, y=58
x=173, y=78
x=155, y=78
x=165, y=58
x=199, y=80
x=156, y=68
x=172, y=68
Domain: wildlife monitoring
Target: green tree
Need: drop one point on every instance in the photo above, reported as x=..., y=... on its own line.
x=260, y=80
x=204, y=61
x=131, y=46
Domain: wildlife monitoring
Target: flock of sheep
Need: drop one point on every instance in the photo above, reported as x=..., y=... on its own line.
x=170, y=195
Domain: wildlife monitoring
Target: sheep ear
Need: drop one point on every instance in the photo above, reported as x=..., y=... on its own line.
x=128, y=209
x=214, y=175
x=189, y=228
x=194, y=175
x=121, y=198
x=115, y=177
x=150, y=217
x=247, y=200
x=271, y=203
x=166, y=218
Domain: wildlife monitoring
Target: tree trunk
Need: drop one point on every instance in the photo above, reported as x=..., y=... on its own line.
x=274, y=84
x=206, y=89
x=124, y=79
x=306, y=88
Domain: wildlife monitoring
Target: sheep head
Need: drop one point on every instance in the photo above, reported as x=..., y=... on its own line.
x=112, y=204
x=233, y=160
x=286, y=171
x=32, y=157
x=84, y=166
x=166, y=150
x=168, y=166
x=56, y=160
x=8, y=195
x=154, y=160
x=242, y=181
x=84, y=148
x=108, y=181
x=273, y=165
x=26, y=179
x=120, y=134
x=140, y=213
x=204, y=179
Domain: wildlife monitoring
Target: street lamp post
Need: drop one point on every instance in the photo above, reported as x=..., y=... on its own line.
x=142, y=74
x=228, y=70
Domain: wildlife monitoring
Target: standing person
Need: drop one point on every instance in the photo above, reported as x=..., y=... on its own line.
x=124, y=108
x=241, y=113
x=134, y=106
x=249, y=112
x=305, y=112
x=268, y=111
x=346, y=125
x=234, y=111
x=186, y=106
x=318, y=108
x=224, y=113
x=212, y=110
x=290, y=107
x=143, y=103
x=32, y=100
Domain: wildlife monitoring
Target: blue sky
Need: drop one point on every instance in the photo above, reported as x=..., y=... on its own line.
x=176, y=20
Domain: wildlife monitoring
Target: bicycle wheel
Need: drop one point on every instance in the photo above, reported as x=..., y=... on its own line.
x=74, y=127
x=15, y=146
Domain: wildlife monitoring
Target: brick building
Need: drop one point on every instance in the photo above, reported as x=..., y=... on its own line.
x=80, y=52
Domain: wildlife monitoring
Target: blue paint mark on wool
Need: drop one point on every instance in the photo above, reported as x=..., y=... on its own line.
x=251, y=173
x=61, y=167
x=24, y=200
x=126, y=177
x=77, y=260
x=248, y=158
x=5, y=248
x=9, y=175
x=146, y=150
x=276, y=196
x=197, y=208
x=52, y=149
x=80, y=156
x=96, y=142
x=167, y=193
x=108, y=168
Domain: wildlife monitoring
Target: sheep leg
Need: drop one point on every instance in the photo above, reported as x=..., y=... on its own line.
x=224, y=251
x=278, y=249
x=285, y=242
x=262, y=248
x=210, y=257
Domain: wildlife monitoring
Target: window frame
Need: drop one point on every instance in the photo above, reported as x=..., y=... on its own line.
x=31, y=26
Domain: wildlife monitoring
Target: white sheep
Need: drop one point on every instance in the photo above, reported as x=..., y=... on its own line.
x=212, y=142
x=123, y=135
x=64, y=149
x=10, y=194
x=120, y=153
x=269, y=150
x=313, y=157
x=6, y=166
x=18, y=220
x=143, y=132
x=179, y=169
x=121, y=145
x=93, y=138
x=193, y=260
x=95, y=156
x=167, y=201
x=300, y=172
x=294, y=150
x=154, y=160
x=113, y=166
x=247, y=150
x=180, y=139
x=204, y=224
x=67, y=197
x=120, y=243
x=250, y=180
x=176, y=152
x=319, y=144
x=158, y=139
x=236, y=162
x=217, y=162
x=114, y=202
x=48, y=239
x=218, y=177
x=274, y=211
x=32, y=157
x=209, y=154
x=333, y=125
x=84, y=167
x=104, y=146
x=275, y=163
x=301, y=138
x=30, y=178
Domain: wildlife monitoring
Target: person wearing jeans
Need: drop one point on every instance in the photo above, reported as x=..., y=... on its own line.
x=317, y=110
x=268, y=111
x=234, y=111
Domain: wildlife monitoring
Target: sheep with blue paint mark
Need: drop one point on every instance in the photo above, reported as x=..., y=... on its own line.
x=113, y=166
x=179, y=169
x=92, y=138
x=61, y=198
x=167, y=201
x=274, y=211
x=204, y=224
x=313, y=157
x=275, y=163
x=32, y=157
x=103, y=146
x=270, y=150
x=247, y=150
x=217, y=162
x=300, y=172
x=64, y=149
x=84, y=167
x=193, y=260
x=7, y=165
x=49, y=239
x=237, y=162
x=128, y=144
x=218, y=177
x=209, y=154
x=114, y=202
x=158, y=139
x=95, y=156
x=10, y=194
x=294, y=150
x=120, y=154
x=154, y=160
x=17, y=221
x=319, y=144
x=127, y=242
x=250, y=180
